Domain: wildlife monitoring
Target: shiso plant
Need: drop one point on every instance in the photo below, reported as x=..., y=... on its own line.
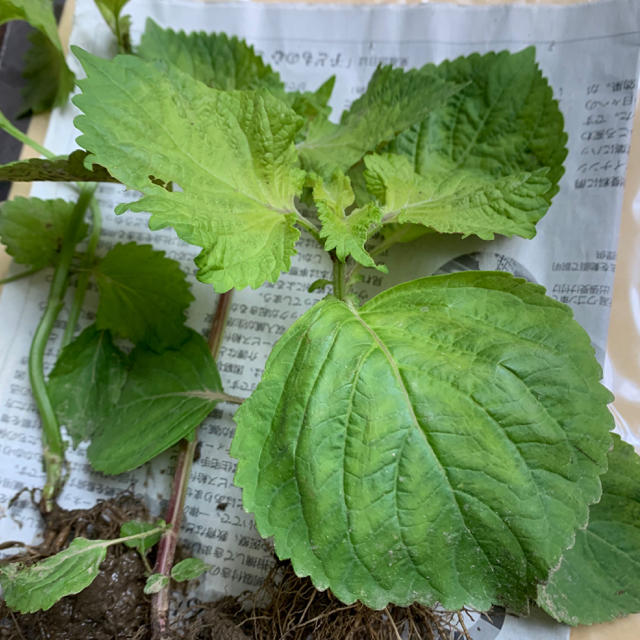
x=445, y=442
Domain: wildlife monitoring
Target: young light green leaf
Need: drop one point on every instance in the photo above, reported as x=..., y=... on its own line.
x=86, y=381
x=189, y=569
x=394, y=100
x=502, y=123
x=143, y=296
x=49, y=81
x=145, y=544
x=464, y=201
x=216, y=59
x=60, y=169
x=33, y=229
x=120, y=25
x=311, y=105
x=156, y=582
x=166, y=396
x=464, y=439
x=597, y=579
x=344, y=233
x=145, y=121
x=41, y=585
x=110, y=10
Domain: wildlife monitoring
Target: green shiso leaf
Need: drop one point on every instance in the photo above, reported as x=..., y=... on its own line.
x=344, y=233
x=155, y=582
x=134, y=527
x=441, y=444
x=41, y=585
x=597, y=579
x=460, y=201
x=49, y=79
x=165, y=397
x=218, y=60
x=488, y=161
x=60, y=169
x=143, y=296
x=85, y=381
x=38, y=13
x=33, y=229
x=394, y=100
x=230, y=153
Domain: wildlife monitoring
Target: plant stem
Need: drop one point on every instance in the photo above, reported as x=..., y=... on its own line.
x=83, y=278
x=310, y=227
x=168, y=542
x=338, y=277
x=24, y=138
x=52, y=444
x=19, y=276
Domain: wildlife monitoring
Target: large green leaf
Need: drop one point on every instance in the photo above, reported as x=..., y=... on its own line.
x=216, y=59
x=230, y=152
x=143, y=296
x=85, y=381
x=597, y=579
x=60, y=169
x=502, y=123
x=439, y=444
x=49, y=79
x=33, y=229
x=40, y=586
x=394, y=100
x=464, y=202
x=166, y=396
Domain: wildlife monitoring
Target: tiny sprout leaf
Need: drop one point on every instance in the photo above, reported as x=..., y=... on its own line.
x=394, y=100
x=69, y=168
x=237, y=203
x=143, y=296
x=33, y=229
x=41, y=585
x=344, y=233
x=465, y=202
x=156, y=582
x=166, y=396
x=597, y=579
x=463, y=443
x=189, y=569
x=135, y=527
x=86, y=381
x=218, y=60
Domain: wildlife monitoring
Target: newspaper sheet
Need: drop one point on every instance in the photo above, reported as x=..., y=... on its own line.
x=590, y=55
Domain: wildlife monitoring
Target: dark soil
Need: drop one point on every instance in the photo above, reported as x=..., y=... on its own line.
x=114, y=606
